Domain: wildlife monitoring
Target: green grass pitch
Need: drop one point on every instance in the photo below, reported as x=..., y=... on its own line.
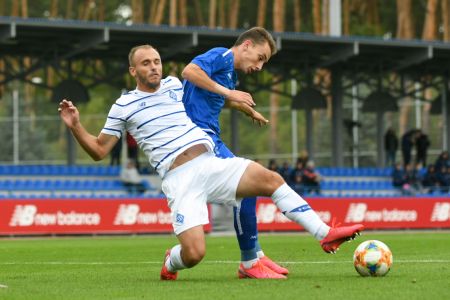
x=127, y=267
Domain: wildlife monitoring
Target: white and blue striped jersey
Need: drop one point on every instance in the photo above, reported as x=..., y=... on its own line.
x=158, y=122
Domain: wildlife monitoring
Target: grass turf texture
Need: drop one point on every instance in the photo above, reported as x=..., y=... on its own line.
x=128, y=267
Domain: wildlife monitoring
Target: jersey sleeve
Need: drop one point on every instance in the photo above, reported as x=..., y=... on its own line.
x=210, y=62
x=115, y=122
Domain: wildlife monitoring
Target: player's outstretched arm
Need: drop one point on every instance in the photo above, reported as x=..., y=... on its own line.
x=96, y=147
x=198, y=77
x=249, y=111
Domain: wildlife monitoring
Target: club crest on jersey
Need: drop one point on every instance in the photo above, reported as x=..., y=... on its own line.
x=179, y=219
x=173, y=95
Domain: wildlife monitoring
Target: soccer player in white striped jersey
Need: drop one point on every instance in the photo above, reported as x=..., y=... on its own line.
x=183, y=156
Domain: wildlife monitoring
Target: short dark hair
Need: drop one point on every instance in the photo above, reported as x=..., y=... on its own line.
x=136, y=48
x=258, y=35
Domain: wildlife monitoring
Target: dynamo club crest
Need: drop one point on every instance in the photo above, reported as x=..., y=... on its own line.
x=173, y=95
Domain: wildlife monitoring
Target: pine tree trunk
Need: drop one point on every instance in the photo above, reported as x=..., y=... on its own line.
x=430, y=26
x=173, y=13
x=212, y=13
x=183, y=13
x=152, y=12
x=222, y=22
x=404, y=31
x=2, y=62
x=278, y=15
x=101, y=10
x=198, y=13
x=29, y=90
x=2, y=8
x=429, y=33
x=54, y=9
x=69, y=8
x=297, y=16
x=137, y=11
x=317, y=17
x=405, y=28
x=278, y=26
x=261, y=18
x=325, y=17
x=374, y=16
x=24, y=9
x=234, y=13
x=445, y=5
x=15, y=9
x=346, y=17
x=159, y=12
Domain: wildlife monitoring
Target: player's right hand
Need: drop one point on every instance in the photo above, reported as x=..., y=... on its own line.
x=69, y=113
x=239, y=96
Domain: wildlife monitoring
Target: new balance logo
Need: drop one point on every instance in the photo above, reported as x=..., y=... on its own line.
x=127, y=214
x=441, y=212
x=23, y=215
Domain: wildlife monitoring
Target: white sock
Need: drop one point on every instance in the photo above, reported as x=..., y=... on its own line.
x=260, y=253
x=249, y=263
x=298, y=210
x=175, y=263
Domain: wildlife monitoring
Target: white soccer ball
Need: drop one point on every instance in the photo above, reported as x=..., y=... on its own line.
x=372, y=258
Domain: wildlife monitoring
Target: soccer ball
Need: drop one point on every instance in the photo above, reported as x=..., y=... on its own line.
x=372, y=258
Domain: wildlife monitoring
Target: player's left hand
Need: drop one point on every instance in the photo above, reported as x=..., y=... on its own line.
x=252, y=113
x=258, y=118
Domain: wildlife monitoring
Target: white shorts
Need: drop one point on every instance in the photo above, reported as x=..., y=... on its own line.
x=204, y=179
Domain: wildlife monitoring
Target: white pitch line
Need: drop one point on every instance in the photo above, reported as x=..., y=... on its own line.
x=209, y=262
x=2, y=286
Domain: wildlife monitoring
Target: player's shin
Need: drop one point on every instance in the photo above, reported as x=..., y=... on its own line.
x=298, y=210
x=246, y=230
x=175, y=262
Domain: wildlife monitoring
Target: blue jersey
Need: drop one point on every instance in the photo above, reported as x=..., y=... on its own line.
x=203, y=107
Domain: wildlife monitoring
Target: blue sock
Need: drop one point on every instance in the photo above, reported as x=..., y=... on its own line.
x=246, y=228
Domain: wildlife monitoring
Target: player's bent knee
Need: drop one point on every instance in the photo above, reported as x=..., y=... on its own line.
x=274, y=180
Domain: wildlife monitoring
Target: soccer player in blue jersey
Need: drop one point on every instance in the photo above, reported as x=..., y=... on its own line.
x=192, y=175
x=209, y=85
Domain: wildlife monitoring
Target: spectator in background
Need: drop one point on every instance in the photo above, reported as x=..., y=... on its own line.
x=430, y=180
x=311, y=179
x=116, y=153
x=408, y=140
x=413, y=179
x=285, y=171
x=442, y=160
x=447, y=180
x=296, y=178
x=422, y=144
x=273, y=166
x=303, y=157
x=297, y=171
x=131, y=179
x=443, y=176
x=132, y=148
x=297, y=185
x=390, y=146
x=398, y=177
